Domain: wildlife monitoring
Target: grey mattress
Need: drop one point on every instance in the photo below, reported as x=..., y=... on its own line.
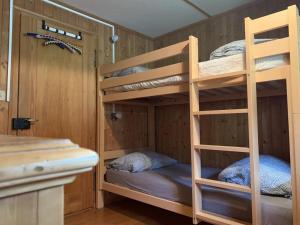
x=174, y=183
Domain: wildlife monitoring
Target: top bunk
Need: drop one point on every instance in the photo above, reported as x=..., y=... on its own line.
x=271, y=59
x=117, y=88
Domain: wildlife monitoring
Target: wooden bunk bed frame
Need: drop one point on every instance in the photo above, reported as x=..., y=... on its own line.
x=290, y=73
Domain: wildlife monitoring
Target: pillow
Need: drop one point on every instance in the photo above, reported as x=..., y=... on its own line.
x=131, y=70
x=233, y=48
x=141, y=161
x=275, y=175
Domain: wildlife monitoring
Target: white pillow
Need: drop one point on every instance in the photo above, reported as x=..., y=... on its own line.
x=141, y=161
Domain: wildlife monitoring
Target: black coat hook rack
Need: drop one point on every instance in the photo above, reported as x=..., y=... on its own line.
x=61, y=32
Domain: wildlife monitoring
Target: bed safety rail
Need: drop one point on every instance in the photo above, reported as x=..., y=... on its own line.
x=152, y=74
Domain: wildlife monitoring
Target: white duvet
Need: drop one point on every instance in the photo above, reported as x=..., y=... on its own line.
x=237, y=62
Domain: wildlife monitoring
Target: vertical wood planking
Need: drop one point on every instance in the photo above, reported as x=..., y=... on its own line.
x=51, y=206
x=19, y=209
x=232, y=130
x=4, y=26
x=80, y=194
x=151, y=127
x=224, y=28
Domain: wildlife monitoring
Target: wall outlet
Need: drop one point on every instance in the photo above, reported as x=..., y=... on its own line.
x=2, y=95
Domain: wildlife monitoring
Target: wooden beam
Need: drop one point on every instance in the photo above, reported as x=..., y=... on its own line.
x=149, y=199
x=162, y=72
x=217, y=219
x=171, y=89
x=149, y=57
x=269, y=22
x=220, y=112
x=222, y=148
x=206, y=78
x=271, y=48
x=223, y=185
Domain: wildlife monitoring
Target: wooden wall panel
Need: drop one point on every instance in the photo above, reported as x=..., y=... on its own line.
x=213, y=33
x=219, y=30
x=79, y=195
x=129, y=132
x=172, y=130
x=3, y=64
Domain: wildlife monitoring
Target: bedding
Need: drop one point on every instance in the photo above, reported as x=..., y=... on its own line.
x=141, y=161
x=237, y=62
x=131, y=70
x=174, y=183
x=275, y=175
x=227, y=64
x=233, y=48
x=150, y=83
x=226, y=59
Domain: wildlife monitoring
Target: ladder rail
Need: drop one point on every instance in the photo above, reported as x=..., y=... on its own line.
x=286, y=18
x=252, y=150
x=252, y=124
x=194, y=125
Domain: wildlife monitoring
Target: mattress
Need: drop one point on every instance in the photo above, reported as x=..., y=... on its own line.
x=150, y=83
x=174, y=183
x=237, y=62
x=227, y=64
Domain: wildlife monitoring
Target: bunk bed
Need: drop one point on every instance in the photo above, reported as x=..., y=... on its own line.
x=198, y=77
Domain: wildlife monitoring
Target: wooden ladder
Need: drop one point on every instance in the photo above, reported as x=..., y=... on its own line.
x=195, y=113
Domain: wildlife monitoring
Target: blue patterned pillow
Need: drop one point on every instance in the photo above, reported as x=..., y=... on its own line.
x=141, y=161
x=275, y=175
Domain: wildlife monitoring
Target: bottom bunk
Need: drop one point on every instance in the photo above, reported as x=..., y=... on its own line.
x=162, y=123
x=170, y=188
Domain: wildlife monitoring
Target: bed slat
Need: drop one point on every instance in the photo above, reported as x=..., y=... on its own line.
x=166, y=71
x=269, y=22
x=149, y=57
x=146, y=92
x=222, y=148
x=270, y=48
x=149, y=199
x=217, y=219
x=221, y=112
x=278, y=73
x=223, y=185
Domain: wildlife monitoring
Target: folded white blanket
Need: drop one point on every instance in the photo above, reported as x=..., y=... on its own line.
x=233, y=48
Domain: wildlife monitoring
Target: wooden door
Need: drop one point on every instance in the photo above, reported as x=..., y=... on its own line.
x=58, y=89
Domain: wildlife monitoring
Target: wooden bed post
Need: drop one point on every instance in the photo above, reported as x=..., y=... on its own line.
x=252, y=124
x=194, y=125
x=293, y=95
x=100, y=144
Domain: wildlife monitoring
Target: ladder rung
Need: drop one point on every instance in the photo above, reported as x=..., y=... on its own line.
x=224, y=185
x=221, y=112
x=222, y=148
x=218, y=219
x=220, y=76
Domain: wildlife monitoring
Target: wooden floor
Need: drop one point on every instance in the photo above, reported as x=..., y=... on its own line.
x=128, y=212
